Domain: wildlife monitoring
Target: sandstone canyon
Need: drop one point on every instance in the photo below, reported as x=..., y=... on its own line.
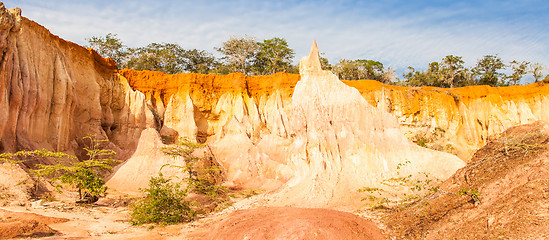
x=307, y=140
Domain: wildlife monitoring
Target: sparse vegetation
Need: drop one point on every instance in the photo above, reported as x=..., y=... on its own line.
x=489, y=70
x=165, y=200
x=400, y=190
x=164, y=203
x=434, y=140
x=203, y=175
x=526, y=144
x=473, y=193
x=87, y=175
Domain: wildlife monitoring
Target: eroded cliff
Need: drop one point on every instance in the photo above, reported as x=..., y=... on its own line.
x=458, y=120
x=54, y=92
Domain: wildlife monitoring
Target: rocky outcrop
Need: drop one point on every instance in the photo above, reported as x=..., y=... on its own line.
x=54, y=92
x=147, y=161
x=458, y=120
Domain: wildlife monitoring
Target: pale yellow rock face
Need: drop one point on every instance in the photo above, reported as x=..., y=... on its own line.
x=179, y=118
x=147, y=161
x=15, y=184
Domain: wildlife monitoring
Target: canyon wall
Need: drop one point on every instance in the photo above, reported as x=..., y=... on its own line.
x=54, y=92
x=458, y=120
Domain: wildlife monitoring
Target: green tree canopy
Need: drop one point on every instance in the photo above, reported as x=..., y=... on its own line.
x=199, y=61
x=274, y=56
x=487, y=71
x=109, y=46
x=430, y=77
x=519, y=70
x=536, y=69
x=240, y=52
x=363, y=69
x=166, y=57
x=324, y=63
x=453, y=72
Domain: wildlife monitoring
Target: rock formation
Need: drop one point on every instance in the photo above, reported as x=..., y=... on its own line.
x=331, y=142
x=459, y=120
x=147, y=161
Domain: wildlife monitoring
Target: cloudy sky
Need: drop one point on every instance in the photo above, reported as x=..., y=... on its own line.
x=397, y=33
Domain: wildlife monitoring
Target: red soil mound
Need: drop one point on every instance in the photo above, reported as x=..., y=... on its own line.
x=293, y=223
x=19, y=225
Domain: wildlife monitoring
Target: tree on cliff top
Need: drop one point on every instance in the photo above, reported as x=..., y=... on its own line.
x=199, y=61
x=487, y=69
x=169, y=58
x=536, y=69
x=519, y=70
x=453, y=71
x=165, y=57
x=109, y=46
x=240, y=52
x=363, y=69
x=274, y=56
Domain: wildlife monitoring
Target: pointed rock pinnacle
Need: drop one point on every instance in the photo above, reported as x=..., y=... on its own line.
x=311, y=63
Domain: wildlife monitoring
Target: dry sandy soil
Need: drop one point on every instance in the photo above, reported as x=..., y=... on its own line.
x=510, y=178
x=293, y=223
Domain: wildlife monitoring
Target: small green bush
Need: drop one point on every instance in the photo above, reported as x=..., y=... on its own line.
x=164, y=203
x=472, y=193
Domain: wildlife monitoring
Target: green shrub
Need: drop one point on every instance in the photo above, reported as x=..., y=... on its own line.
x=203, y=174
x=472, y=193
x=164, y=203
x=400, y=190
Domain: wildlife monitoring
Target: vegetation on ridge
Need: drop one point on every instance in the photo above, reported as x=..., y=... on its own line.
x=251, y=57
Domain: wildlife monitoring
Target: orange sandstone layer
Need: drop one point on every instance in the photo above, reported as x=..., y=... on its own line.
x=207, y=89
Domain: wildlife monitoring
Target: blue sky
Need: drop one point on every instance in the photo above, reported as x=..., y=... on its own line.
x=397, y=33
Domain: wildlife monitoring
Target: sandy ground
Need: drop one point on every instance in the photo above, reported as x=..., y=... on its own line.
x=109, y=220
